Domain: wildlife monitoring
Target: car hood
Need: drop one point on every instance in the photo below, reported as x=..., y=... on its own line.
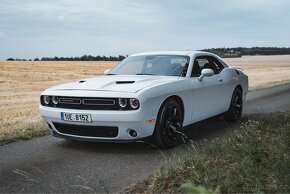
x=117, y=83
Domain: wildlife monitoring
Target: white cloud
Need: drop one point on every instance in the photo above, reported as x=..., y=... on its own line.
x=74, y=27
x=84, y=11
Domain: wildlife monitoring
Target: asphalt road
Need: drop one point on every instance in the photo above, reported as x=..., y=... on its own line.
x=49, y=164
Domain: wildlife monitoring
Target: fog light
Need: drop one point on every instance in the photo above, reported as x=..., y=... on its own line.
x=134, y=103
x=46, y=99
x=133, y=133
x=122, y=102
x=54, y=99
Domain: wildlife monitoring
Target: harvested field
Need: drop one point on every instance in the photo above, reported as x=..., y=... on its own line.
x=264, y=71
x=21, y=83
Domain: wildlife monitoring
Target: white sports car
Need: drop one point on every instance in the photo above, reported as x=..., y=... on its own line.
x=152, y=94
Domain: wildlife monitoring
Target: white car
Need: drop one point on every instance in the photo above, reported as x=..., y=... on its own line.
x=152, y=94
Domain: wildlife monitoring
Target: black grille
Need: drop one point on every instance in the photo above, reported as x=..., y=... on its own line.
x=84, y=130
x=87, y=103
x=65, y=100
x=104, y=102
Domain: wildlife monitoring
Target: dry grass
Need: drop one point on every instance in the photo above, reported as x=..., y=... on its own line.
x=22, y=82
x=264, y=71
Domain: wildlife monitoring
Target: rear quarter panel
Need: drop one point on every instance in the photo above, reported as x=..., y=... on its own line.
x=235, y=77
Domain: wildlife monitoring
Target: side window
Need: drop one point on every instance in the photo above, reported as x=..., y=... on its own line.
x=206, y=62
x=218, y=66
x=199, y=64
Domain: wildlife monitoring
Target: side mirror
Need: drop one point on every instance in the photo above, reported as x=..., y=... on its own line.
x=206, y=73
x=106, y=71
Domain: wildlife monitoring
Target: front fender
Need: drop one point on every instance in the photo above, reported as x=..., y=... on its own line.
x=154, y=96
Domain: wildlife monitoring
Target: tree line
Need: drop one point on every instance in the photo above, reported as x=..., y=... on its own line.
x=82, y=58
x=240, y=51
x=222, y=52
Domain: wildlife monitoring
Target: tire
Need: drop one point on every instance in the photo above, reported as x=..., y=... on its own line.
x=169, y=120
x=236, y=107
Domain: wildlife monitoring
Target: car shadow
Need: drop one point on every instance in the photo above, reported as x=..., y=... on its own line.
x=206, y=130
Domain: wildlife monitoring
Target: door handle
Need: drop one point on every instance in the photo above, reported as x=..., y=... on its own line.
x=220, y=79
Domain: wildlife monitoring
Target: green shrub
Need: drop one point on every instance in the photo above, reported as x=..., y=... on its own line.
x=255, y=159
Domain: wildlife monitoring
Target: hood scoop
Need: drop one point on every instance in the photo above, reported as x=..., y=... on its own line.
x=125, y=82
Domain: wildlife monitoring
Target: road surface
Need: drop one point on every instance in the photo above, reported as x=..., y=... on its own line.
x=49, y=164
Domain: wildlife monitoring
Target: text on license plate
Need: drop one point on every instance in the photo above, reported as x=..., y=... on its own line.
x=75, y=117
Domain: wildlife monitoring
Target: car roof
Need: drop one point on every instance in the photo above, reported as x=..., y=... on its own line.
x=186, y=53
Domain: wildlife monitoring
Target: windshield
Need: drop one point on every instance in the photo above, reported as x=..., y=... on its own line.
x=168, y=65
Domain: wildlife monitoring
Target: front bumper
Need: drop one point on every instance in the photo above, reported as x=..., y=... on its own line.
x=123, y=120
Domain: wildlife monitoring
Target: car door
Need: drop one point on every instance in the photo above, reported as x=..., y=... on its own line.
x=208, y=93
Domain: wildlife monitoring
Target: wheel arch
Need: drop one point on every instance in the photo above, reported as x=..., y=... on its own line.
x=237, y=86
x=156, y=137
x=178, y=99
x=240, y=87
x=229, y=114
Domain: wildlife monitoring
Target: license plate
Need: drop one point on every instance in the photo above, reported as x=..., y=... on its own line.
x=76, y=117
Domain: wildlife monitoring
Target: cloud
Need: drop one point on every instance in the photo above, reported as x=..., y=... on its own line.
x=88, y=11
x=73, y=27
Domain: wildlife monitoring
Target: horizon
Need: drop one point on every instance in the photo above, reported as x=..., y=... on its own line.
x=125, y=55
x=32, y=29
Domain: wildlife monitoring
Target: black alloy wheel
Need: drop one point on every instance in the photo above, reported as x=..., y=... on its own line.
x=236, y=107
x=169, y=124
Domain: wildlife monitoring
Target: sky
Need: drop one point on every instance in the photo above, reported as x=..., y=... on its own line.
x=72, y=28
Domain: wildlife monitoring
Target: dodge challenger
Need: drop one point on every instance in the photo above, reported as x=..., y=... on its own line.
x=153, y=94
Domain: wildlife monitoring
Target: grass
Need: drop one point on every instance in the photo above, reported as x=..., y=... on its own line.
x=21, y=83
x=255, y=159
x=29, y=132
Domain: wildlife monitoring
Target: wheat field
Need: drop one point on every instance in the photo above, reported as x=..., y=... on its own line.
x=264, y=71
x=22, y=82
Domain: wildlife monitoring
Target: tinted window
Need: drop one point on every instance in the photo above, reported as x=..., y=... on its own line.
x=219, y=67
x=205, y=62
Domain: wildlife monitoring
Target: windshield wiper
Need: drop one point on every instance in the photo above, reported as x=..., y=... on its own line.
x=111, y=74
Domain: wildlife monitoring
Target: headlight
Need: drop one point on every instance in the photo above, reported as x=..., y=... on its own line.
x=54, y=99
x=122, y=102
x=134, y=103
x=46, y=99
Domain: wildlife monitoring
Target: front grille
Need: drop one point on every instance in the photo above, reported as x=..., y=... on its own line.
x=64, y=100
x=103, y=102
x=84, y=130
x=87, y=103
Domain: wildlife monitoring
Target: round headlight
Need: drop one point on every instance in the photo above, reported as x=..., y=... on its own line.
x=122, y=102
x=134, y=103
x=46, y=99
x=54, y=99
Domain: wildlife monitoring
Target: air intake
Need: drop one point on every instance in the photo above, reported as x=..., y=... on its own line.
x=124, y=82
